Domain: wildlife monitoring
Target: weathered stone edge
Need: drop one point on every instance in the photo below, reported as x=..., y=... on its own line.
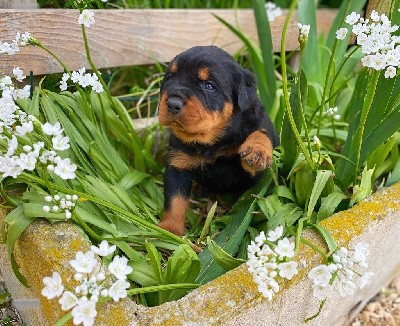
x=45, y=247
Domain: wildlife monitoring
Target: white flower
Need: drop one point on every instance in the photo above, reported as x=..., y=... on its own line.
x=273, y=11
x=119, y=267
x=304, y=30
x=118, y=290
x=68, y=300
x=27, y=161
x=276, y=234
x=84, y=313
x=104, y=249
x=288, y=269
x=365, y=279
x=63, y=85
x=52, y=130
x=18, y=74
x=361, y=252
x=320, y=275
x=84, y=263
x=390, y=72
x=25, y=128
x=12, y=146
x=97, y=86
x=86, y=18
x=53, y=286
x=65, y=169
x=25, y=38
x=60, y=143
x=346, y=288
x=22, y=93
x=285, y=248
x=341, y=33
x=46, y=209
x=322, y=292
x=316, y=141
x=352, y=18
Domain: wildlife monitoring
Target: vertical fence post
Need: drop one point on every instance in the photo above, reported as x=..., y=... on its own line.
x=18, y=4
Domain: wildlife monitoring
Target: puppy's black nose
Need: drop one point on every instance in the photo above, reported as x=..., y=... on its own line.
x=175, y=104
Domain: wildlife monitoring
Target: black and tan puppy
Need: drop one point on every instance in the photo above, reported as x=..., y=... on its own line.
x=221, y=136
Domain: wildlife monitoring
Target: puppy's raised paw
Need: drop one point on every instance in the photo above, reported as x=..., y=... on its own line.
x=256, y=152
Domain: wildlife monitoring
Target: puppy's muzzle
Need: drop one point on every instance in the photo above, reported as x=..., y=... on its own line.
x=175, y=104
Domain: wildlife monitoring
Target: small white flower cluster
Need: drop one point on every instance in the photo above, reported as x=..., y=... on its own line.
x=331, y=112
x=19, y=152
x=86, y=18
x=64, y=204
x=93, y=283
x=381, y=49
x=343, y=267
x=269, y=257
x=316, y=141
x=83, y=79
x=273, y=11
x=304, y=30
x=13, y=47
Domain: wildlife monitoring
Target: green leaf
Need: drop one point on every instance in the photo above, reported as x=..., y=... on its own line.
x=232, y=235
x=154, y=258
x=394, y=176
x=310, y=58
x=319, y=185
x=363, y=190
x=329, y=205
x=17, y=223
x=288, y=141
x=330, y=242
x=221, y=257
x=182, y=267
x=286, y=215
x=3, y=297
x=265, y=40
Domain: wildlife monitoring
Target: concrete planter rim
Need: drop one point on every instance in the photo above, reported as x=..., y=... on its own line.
x=231, y=299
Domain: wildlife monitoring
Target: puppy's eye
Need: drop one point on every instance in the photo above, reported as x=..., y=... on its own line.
x=208, y=85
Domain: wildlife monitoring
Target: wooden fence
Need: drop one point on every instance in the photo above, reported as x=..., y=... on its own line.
x=131, y=37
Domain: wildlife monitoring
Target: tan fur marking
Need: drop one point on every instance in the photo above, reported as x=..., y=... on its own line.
x=203, y=73
x=173, y=68
x=197, y=125
x=256, y=152
x=184, y=161
x=174, y=220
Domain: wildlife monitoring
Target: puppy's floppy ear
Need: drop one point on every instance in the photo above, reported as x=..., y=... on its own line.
x=246, y=90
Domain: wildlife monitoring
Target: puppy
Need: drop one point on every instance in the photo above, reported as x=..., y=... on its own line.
x=221, y=136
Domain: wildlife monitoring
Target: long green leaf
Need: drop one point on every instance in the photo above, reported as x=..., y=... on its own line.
x=221, y=257
x=231, y=236
x=265, y=39
x=17, y=223
x=319, y=185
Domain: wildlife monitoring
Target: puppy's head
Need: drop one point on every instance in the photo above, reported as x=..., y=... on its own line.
x=202, y=89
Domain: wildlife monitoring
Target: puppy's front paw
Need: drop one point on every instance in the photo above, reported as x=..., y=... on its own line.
x=256, y=152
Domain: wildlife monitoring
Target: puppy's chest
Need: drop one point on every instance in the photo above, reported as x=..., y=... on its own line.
x=201, y=160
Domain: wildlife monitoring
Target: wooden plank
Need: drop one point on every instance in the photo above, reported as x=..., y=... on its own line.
x=130, y=37
x=18, y=4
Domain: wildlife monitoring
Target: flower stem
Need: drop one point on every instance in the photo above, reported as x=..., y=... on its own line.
x=314, y=247
x=127, y=216
x=62, y=321
x=164, y=287
x=326, y=86
x=285, y=87
x=364, y=115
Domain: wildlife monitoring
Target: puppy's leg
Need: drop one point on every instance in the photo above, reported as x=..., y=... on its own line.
x=177, y=186
x=256, y=152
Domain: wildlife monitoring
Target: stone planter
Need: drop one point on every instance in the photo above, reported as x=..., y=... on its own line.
x=231, y=299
